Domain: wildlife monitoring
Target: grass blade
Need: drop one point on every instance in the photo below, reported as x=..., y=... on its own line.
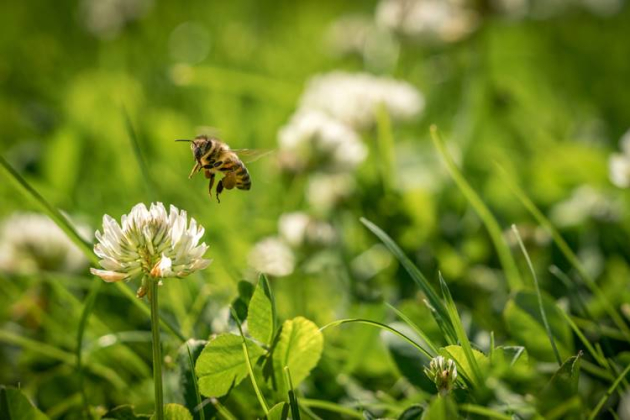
x=483, y=411
x=378, y=325
x=461, y=333
x=332, y=407
x=148, y=184
x=295, y=411
x=385, y=145
x=543, y=314
x=199, y=408
x=609, y=392
x=416, y=275
x=85, y=313
x=507, y=261
x=416, y=329
x=564, y=247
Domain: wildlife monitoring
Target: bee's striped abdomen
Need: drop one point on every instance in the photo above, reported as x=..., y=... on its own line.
x=243, y=181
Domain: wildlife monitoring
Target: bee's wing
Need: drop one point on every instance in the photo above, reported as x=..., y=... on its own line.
x=251, y=155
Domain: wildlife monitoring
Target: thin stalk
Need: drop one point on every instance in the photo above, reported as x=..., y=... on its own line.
x=568, y=253
x=248, y=362
x=87, y=309
x=199, y=408
x=329, y=406
x=543, y=314
x=227, y=415
x=385, y=145
x=492, y=225
x=157, y=349
x=486, y=412
x=609, y=392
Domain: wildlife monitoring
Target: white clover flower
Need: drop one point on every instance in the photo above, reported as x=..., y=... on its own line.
x=299, y=229
x=585, y=202
x=106, y=18
x=30, y=242
x=326, y=191
x=314, y=139
x=443, y=373
x=442, y=20
x=149, y=243
x=354, y=98
x=619, y=164
x=272, y=256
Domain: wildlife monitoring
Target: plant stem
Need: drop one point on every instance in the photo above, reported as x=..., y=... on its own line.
x=157, y=349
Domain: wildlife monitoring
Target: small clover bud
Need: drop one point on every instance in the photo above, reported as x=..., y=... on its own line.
x=443, y=373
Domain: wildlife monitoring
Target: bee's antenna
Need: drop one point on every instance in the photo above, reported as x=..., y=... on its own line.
x=184, y=140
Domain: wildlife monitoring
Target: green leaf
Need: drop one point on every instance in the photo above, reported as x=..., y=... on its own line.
x=260, y=318
x=562, y=386
x=15, y=406
x=441, y=408
x=222, y=364
x=299, y=347
x=458, y=354
x=279, y=411
x=124, y=412
x=524, y=321
x=412, y=413
x=241, y=302
x=405, y=356
x=175, y=412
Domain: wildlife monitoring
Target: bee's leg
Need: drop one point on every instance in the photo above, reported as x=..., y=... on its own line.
x=211, y=183
x=195, y=169
x=219, y=189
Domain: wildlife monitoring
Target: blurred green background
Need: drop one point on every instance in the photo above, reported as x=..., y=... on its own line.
x=543, y=95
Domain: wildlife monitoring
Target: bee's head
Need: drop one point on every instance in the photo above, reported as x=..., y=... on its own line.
x=199, y=146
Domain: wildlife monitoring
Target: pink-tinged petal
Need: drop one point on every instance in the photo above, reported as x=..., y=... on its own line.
x=108, y=276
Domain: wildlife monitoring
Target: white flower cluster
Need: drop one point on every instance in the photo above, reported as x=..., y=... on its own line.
x=149, y=243
x=313, y=139
x=30, y=242
x=106, y=18
x=354, y=98
x=275, y=255
x=441, y=20
x=323, y=136
x=619, y=163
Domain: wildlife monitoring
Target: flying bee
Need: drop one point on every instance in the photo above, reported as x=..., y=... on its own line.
x=214, y=156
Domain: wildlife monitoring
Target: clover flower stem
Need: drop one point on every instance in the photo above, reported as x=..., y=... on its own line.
x=157, y=349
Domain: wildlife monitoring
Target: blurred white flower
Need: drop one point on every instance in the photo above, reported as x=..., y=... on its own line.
x=313, y=139
x=149, y=242
x=585, y=202
x=443, y=373
x=443, y=20
x=619, y=163
x=299, y=229
x=325, y=191
x=30, y=242
x=272, y=256
x=106, y=18
x=354, y=98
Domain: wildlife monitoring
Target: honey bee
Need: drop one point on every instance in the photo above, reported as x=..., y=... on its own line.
x=214, y=156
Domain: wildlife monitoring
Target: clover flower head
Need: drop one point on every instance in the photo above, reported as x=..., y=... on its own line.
x=434, y=20
x=443, y=373
x=272, y=256
x=299, y=229
x=30, y=242
x=314, y=139
x=619, y=163
x=354, y=98
x=149, y=243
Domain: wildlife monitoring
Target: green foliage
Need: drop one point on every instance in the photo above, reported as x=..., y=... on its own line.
x=124, y=412
x=523, y=318
x=299, y=348
x=261, y=315
x=221, y=364
x=15, y=406
x=464, y=367
x=440, y=408
x=175, y=412
x=279, y=411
